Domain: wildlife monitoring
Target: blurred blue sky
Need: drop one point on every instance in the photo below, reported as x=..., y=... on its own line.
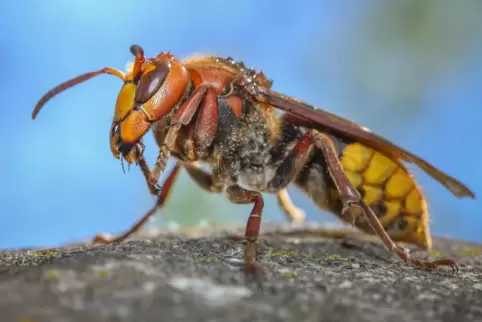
x=421, y=88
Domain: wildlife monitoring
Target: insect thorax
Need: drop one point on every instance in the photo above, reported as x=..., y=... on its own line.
x=243, y=150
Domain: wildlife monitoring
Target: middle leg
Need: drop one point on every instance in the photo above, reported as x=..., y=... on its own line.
x=239, y=195
x=285, y=173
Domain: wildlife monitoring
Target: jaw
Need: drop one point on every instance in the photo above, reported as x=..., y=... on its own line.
x=126, y=149
x=129, y=152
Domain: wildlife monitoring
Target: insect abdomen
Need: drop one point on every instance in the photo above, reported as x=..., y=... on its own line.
x=391, y=191
x=386, y=186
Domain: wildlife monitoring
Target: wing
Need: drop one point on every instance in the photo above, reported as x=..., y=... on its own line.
x=323, y=121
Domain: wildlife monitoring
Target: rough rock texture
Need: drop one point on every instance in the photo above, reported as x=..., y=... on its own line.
x=179, y=277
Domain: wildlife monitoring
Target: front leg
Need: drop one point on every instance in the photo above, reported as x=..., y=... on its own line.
x=184, y=117
x=163, y=195
x=199, y=176
x=154, y=188
x=238, y=195
x=203, y=98
x=161, y=162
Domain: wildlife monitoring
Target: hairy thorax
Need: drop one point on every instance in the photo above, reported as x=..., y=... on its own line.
x=249, y=149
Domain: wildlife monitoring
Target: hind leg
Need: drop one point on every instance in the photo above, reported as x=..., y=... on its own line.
x=351, y=199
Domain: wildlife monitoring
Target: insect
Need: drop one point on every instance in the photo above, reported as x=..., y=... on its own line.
x=214, y=111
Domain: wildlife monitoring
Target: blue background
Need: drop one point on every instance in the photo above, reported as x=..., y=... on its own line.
x=410, y=70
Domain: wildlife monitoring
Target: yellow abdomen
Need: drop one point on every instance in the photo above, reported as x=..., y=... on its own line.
x=390, y=191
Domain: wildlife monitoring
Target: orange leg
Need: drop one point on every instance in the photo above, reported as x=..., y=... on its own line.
x=164, y=193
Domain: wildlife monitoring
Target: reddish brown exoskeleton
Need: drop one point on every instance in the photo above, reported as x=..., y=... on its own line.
x=215, y=111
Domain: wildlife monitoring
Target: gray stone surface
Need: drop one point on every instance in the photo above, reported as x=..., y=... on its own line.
x=179, y=277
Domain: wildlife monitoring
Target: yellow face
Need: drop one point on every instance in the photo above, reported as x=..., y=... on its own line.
x=123, y=107
x=125, y=101
x=152, y=88
x=132, y=117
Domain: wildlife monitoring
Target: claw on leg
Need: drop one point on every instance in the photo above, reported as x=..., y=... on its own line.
x=102, y=239
x=425, y=264
x=251, y=268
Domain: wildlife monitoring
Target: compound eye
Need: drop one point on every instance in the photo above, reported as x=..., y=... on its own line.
x=150, y=83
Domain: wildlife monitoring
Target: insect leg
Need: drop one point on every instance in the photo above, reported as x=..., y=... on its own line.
x=163, y=157
x=292, y=164
x=286, y=172
x=291, y=211
x=238, y=195
x=182, y=117
x=154, y=189
x=351, y=198
x=199, y=176
x=164, y=193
